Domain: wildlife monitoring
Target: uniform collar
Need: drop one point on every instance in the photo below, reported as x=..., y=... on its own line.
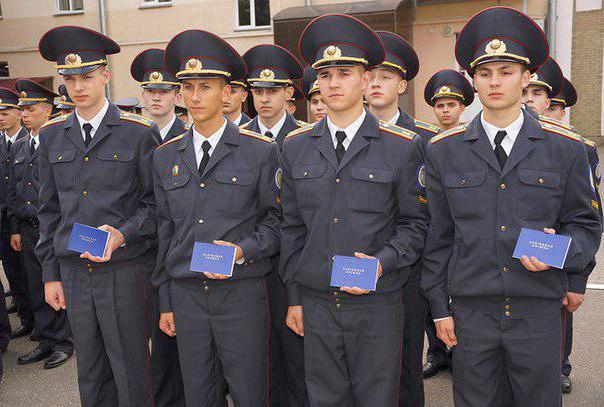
x=394, y=118
x=163, y=132
x=511, y=130
x=352, y=128
x=95, y=122
x=275, y=129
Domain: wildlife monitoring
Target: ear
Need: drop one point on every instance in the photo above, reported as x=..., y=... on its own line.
x=402, y=86
x=226, y=91
x=462, y=108
x=526, y=78
x=365, y=78
x=549, y=102
x=177, y=97
x=289, y=92
x=245, y=93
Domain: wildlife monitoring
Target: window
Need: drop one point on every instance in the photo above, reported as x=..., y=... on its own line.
x=253, y=13
x=155, y=3
x=66, y=6
x=0, y=11
x=4, y=69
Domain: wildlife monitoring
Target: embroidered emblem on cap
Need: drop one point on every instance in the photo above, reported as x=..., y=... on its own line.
x=194, y=65
x=445, y=89
x=267, y=74
x=156, y=77
x=73, y=59
x=332, y=52
x=23, y=94
x=496, y=47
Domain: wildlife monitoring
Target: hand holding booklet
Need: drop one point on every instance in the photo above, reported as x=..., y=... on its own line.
x=213, y=258
x=354, y=272
x=88, y=239
x=548, y=248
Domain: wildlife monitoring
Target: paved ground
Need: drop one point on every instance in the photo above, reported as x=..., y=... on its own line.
x=25, y=386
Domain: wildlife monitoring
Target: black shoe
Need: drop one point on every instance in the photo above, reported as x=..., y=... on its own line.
x=34, y=356
x=12, y=308
x=23, y=330
x=431, y=369
x=567, y=385
x=56, y=359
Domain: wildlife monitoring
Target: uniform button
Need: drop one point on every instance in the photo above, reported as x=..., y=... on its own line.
x=505, y=269
x=86, y=158
x=29, y=184
x=29, y=202
x=6, y=177
x=31, y=164
x=305, y=173
x=338, y=180
x=503, y=228
x=335, y=293
x=85, y=193
x=60, y=158
x=200, y=221
x=115, y=156
x=234, y=179
x=88, y=265
x=370, y=176
x=463, y=182
x=336, y=220
x=507, y=313
x=90, y=270
x=206, y=288
x=502, y=186
x=338, y=305
x=507, y=299
x=202, y=185
x=507, y=307
x=541, y=180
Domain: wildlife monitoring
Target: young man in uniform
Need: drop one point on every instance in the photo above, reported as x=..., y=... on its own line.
x=310, y=87
x=543, y=85
x=215, y=184
x=52, y=328
x=96, y=170
x=448, y=92
x=11, y=131
x=350, y=187
x=233, y=104
x=487, y=180
x=160, y=92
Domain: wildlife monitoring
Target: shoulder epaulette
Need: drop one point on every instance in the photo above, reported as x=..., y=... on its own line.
x=136, y=119
x=397, y=131
x=299, y=131
x=171, y=141
x=556, y=122
x=552, y=128
x=421, y=124
x=449, y=133
x=255, y=135
x=244, y=125
x=589, y=142
x=187, y=127
x=301, y=123
x=56, y=120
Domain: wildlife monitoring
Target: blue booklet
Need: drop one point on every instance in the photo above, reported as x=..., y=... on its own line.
x=213, y=258
x=548, y=249
x=88, y=239
x=354, y=272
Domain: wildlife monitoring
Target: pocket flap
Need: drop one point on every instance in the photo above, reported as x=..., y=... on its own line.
x=540, y=178
x=19, y=160
x=116, y=155
x=176, y=182
x=308, y=171
x=464, y=179
x=381, y=175
x=234, y=177
x=61, y=156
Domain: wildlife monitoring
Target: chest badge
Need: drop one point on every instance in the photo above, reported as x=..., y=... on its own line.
x=175, y=171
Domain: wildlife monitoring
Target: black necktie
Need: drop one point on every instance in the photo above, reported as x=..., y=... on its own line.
x=32, y=146
x=205, y=147
x=87, y=129
x=268, y=134
x=340, y=150
x=499, y=151
x=8, y=145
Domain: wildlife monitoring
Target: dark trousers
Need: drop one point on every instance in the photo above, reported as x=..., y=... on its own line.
x=352, y=348
x=230, y=319
x=52, y=327
x=107, y=314
x=412, y=384
x=503, y=360
x=16, y=277
x=4, y=329
x=288, y=387
x=567, y=341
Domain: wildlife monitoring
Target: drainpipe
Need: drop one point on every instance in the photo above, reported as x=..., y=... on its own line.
x=308, y=3
x=552, y=17
x=103, y=24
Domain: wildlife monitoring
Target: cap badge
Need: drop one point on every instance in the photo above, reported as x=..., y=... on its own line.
x=267, y=74
x=332, y=52
x=23, y=94
x=496, y=47
x=73, y=59
x=157, y=76
x=193, y=65
x=444, y=89
x=535, y=77
x=63, y=98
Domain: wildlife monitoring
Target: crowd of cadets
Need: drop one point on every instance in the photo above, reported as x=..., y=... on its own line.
x=440, y=207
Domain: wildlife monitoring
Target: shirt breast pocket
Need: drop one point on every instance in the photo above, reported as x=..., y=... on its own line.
x=117, y=167
x=307, y=182
x=539, y=194
x=371, y=189
x=235, y=190
x=177, y=201
x=62, y=162
x=464, y=193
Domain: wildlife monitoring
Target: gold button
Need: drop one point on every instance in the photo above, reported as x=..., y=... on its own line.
x=202, y=185
x=338, y=305
x=541, y=180
x=335, y=220
x=88, y=265
x=335, y=293
x=90, y=270
x=338, y=180
x=502, y=186
x=86, y=158
x=507, y=307
x=507, y=313
x=505, y=269
x=29, y=202
x=507, y=299
x=463, y=182
x=504, y=228
x=305, y=173
x=115, y=156
x=85, y=193
x=29, y=184
x=206, y=288
x=370, y=176
x=31, y=165
x=200, y=221
x=234, y=179
x=60, y=157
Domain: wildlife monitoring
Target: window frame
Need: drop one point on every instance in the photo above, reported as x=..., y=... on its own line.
x=154, y=4
x=252, y=26
x=70, y=11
